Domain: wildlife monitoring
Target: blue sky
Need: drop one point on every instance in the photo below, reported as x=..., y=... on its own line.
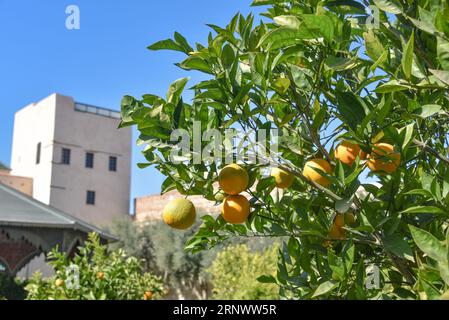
x=104, y=60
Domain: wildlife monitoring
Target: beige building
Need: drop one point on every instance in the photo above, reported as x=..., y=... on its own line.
x=22, y=184
x=79, y=161
x=149, y=208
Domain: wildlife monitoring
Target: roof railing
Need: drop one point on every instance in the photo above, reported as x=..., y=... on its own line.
x=82, y=107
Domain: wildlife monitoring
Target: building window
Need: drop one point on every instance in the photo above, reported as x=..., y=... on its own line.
x=38, y=153
x=89, y=160
x=65, y=156
x=90, y=199
x=113, y=164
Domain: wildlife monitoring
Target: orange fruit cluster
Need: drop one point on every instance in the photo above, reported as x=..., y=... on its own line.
x=233, y=179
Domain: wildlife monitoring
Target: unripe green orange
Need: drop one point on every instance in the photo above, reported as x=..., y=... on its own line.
x=179, y=214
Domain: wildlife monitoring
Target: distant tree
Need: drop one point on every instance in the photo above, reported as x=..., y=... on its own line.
x=162, y=248
x=235, y=270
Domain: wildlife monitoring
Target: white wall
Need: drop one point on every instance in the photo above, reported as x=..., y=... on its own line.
x=33, y=124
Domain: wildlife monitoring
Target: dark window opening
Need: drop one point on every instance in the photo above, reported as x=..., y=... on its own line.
x=38, y=153
x=113, y=164
x=65, y=156
x=89, y=160
x=90, y=197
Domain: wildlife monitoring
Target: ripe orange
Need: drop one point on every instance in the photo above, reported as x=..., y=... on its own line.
x=347, y=152
x=179, y=213
x=283, y=178
x=233, y=179
x=339, y=220
x=235, y=209
x=148, y=295
x=336, y=232
x=343, y=219
x=59, y=282
x=313, y=175
x=383, y=158
x=350, y=218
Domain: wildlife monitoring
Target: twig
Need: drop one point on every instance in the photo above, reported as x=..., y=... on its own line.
x=429, y=149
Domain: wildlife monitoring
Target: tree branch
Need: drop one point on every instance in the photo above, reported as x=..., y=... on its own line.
x=429, y=149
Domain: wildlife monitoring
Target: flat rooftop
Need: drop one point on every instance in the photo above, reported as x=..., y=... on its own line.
x=88, y=108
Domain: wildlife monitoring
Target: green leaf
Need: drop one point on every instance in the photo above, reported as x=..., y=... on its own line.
x=267, y=183
x=319, y=25
x=426, y=209
x=388, y=6
x=180, y=40
x=228, y=56
x=441, y=75
x=350, y=109
x=346, y=6
x=420, y=192
x=443, y=53
x=373, y=46
x=167, y=44
x=267, y=279
x=195, y=63
x=407, y=57
x=392, y=86
x=288, y=21
x=429, y=244
x=281, y=85
x=408, y=134
x=175, y=90
x=399, y=246
x=324, y=288
x=340, y=63
x=283, y=37
x=428, y=110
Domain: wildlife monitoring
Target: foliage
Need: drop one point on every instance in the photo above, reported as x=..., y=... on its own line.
x=11, y=289
x=319, y=72
x=234, y=272
x=102, y=275
x=162, y=250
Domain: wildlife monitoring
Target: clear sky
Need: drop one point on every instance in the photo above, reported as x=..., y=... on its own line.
x=104, y=60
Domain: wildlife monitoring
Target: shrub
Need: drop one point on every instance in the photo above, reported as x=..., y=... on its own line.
x=11, y=289
x=94, y=274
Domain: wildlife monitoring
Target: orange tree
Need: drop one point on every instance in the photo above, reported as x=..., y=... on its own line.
x=324, y=73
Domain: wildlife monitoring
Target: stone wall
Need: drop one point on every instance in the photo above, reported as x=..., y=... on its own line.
x=149, y=208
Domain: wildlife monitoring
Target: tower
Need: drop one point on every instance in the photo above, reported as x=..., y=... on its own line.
x=79, y=160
